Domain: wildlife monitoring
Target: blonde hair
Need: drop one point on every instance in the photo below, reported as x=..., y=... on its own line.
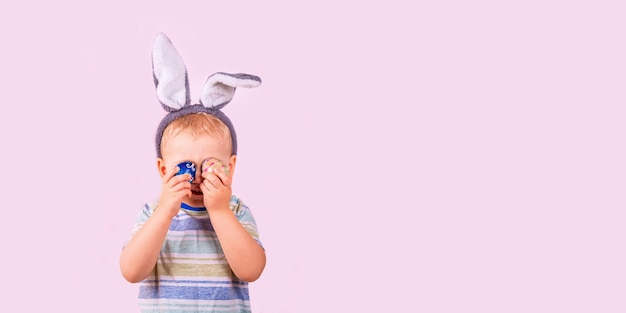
x=197, y=124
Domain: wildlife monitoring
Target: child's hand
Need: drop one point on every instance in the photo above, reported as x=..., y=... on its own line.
x=216, y=185
x=175, y=188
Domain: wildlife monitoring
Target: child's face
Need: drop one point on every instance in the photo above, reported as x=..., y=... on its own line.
x=186, y=147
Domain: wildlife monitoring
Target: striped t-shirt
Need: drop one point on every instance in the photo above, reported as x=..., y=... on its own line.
x=192, y=274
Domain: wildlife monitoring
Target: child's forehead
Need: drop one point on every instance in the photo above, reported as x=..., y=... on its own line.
x=192, y=137
x=197, y=123
x=184, y=141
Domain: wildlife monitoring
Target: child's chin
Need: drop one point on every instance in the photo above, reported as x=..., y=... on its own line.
x=195, y=200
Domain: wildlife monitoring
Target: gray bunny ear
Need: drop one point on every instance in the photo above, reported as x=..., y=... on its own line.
x=219, y=88
x=170, y=75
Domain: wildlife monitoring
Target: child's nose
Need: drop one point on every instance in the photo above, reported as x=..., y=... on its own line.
x=198, y=177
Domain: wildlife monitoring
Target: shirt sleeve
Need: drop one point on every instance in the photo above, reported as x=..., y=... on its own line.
x=141, y=219
x=245, y=217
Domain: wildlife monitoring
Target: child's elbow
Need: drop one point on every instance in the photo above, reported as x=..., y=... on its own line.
x=130, y=276
x=130, y=273
x=251, y=273
x=249, y=277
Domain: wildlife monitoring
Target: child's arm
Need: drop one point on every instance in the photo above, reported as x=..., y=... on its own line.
x=140, y=254
x=244, y=254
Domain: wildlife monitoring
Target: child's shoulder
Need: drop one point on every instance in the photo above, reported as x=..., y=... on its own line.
x=237, y=204
x=150, y=206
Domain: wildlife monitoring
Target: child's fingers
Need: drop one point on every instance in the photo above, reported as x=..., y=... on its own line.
x=223, y=177
x=211, y=180
x=181, y=184
x=205, y=187
x=170, y=173
x=180, y=179
x=178, y=187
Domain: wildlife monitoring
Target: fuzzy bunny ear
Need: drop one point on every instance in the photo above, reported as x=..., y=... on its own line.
x=170, y=75
x=219, y=88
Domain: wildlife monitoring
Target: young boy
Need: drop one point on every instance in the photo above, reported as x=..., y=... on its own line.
x=196, y=249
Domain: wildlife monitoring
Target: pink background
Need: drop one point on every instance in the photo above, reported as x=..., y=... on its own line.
x=463, y=156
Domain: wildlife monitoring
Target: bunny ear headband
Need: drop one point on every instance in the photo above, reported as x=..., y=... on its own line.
x=172, y=88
